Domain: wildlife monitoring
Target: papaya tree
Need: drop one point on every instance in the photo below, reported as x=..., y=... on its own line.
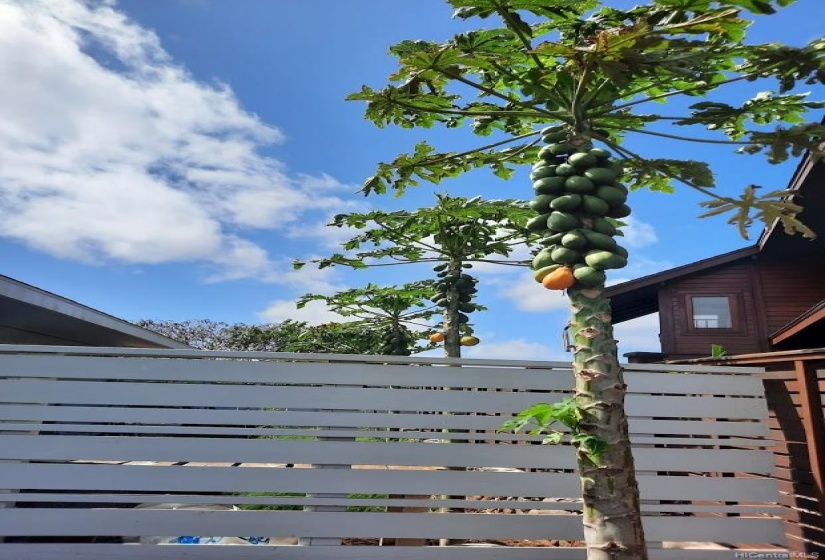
x=455, y=233
x=393, y=310
x=581, y=77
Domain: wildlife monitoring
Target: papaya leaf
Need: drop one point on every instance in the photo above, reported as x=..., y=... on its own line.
x=768, y=208
x=658, y=174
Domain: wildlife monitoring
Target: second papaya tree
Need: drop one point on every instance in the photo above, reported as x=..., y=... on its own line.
x=453, y=235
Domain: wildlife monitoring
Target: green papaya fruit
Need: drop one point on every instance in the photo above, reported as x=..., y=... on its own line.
x=560, y=148
x=543, y=258
x=554, y=239
x=589, y=277
x=598, y=240
x=604, y=260
x=554, y=136
x=603, y=225
x=542, y=172
x=599, y=153
x=601, y=175
x=565, y=170
x=621, y=211
x=594, y=206
x=574, y=239
x=582, y=160
x=538, y=223
x=566, y=203
x=611, y=195
x=549, y=185
x=541, y=203
x=563, y=255
x=579, y=185
x=562, y=221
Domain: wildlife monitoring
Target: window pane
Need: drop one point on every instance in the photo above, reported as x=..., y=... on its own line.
x=711, y=313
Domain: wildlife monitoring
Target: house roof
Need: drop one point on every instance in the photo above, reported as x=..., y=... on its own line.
x=807, y=321
x=30, y=315
x=639, y=297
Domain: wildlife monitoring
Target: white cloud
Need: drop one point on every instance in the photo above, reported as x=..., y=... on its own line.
x=528, y=295
x=638, y=335
x=517, y=349
x=637, y=234
x=113, y=152
x=314, y=313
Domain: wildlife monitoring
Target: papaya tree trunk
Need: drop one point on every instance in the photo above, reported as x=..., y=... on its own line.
x=452, y=335
x=612, y=524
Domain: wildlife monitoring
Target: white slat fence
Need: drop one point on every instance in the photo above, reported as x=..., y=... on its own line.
x=88, y=434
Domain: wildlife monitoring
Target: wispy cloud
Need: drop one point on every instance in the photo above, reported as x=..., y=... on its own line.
x=111, y=151
x=315, y=313
x=516, y=349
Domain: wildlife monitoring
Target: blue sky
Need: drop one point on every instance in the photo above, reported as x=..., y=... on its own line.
x=167, y=160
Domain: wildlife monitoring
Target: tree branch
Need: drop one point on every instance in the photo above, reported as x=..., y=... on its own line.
x=489, y=91
x=746, y=76
x=628, y=154
x=463, y=112
x=685, y=138
x=479, y=149
x=512, y=26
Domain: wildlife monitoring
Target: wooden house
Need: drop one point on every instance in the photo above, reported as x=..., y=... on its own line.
x=765, y=305
x=766, y=297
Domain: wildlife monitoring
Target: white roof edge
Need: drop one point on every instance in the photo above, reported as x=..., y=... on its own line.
x=26, y=293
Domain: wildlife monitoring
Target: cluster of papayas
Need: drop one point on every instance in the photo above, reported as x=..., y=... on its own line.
x=461, y=286
x=396, y=342
x=577, y=197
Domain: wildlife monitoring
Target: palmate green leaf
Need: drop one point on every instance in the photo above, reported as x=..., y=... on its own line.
x=788, y=65
x=767, y=208
x=756, y=6
x=658, y=174
x=783, y=143
x=544, y=8
x=455, y=228
x=407, y=170
x=765, y=108
x=403, y=304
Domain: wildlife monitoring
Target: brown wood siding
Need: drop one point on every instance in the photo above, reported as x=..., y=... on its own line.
x=804, y=525
x=789, y=288
x=735, y=279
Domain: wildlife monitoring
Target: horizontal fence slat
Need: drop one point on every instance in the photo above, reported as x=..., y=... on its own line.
x=113, y=448
x=99, y=429
x=238, y=372
x=124, y=552
x=350, y=398
x=236, y=417
x=434, y=503
x=128, y=522
x=34, y=476
x=24, y=349
x=95, y=367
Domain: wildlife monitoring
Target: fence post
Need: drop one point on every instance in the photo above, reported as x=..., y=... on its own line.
x=325, y=541
x=814, y=425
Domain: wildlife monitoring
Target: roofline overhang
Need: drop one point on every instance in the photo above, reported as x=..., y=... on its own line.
x=797, y=180
x=36, y=297
x=810, y=317
x=679, y=271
